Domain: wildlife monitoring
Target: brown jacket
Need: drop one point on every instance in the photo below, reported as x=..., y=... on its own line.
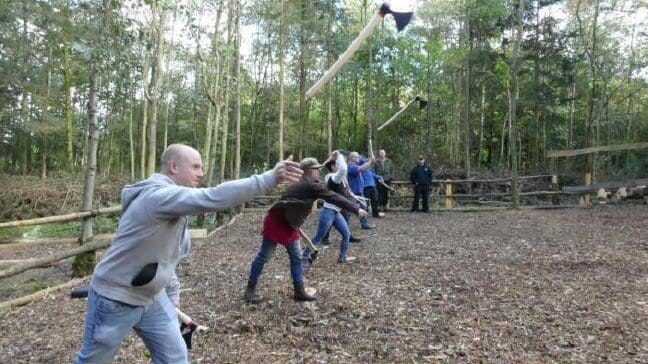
x=297, y=200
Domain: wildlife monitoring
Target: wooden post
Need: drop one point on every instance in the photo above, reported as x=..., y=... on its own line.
x=588, y=181
x=448, y=194
x=555, y=199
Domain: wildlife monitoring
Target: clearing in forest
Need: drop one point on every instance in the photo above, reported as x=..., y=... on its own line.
x=514, y=286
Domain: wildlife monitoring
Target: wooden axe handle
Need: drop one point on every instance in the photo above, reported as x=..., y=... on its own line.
x=346, y=56
x=387, y=186
x=391, y=120
x=183, y=317
x=307, y=241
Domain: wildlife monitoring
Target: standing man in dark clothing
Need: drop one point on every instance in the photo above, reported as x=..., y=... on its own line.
x=421, y=177
x=383, y=166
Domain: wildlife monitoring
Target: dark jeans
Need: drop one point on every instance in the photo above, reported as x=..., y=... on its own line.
x=421, y=191
x=383, y=195
x=265, y=254
x=371, y=193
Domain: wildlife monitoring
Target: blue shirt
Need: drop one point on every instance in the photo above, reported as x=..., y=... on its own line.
x=368, y=175
x=356, y=182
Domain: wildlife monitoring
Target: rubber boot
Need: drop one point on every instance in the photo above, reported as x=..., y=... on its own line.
x=301, y=295
x=251, y=294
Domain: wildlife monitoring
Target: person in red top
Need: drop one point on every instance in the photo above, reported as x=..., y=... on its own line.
x=281, y=226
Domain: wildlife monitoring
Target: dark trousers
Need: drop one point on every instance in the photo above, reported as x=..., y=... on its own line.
x=383, y=195
x=371, y=193
x=421, y=191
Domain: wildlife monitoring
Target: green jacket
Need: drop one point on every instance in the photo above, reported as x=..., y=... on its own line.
x=384, y=169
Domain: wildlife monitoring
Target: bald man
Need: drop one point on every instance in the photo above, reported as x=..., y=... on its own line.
x=134, y=286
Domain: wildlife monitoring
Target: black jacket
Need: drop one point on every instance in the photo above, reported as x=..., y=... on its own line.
x=297, y=200
x=421, y=175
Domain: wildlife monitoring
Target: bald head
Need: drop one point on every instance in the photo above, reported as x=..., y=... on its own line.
x=176, y=153
x=354, y=157
x=182, y=164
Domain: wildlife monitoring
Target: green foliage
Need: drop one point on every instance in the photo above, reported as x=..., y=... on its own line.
x=426, y=59
x=83, y=264
x=34, y=285
x=101, y=225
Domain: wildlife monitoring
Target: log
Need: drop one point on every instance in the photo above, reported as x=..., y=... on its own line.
x=40, y=294
x=61, y=218
x=607, y=185
x=9, y=262
x=508, y=179
x=604, y=148
x=13, y=243
x=213, y=232
x=198, y=233
x=37, y=262
x=19, y=243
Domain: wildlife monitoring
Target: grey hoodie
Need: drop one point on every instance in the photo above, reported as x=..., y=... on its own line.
x=152, y=235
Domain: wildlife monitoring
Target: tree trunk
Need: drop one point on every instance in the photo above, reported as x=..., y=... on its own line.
x=237, y=100
x=25, y=145
x=591, y=53
x=572, y=103
x=206, y=155
x=282, y=41
x=67, y=86
x=303, y=112
x=513, y=106
x=45, y=115
x=131, y=142
x=84, y=263
x=213, y=92
x=482, y=118
x=368, y=103
x=329, y=56
x=143, y=129
x=153, y=93
x=227, y=76
x=466, y=92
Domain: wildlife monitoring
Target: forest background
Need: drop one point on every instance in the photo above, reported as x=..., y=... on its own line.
x=506, y=81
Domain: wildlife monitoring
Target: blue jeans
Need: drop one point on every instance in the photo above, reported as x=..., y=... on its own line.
x=327, y=218
x=107, y=323
x=265, y=254
x=364, y=222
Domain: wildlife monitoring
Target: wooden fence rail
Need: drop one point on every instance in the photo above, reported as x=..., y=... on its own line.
x=62, y=218
x=37, y=262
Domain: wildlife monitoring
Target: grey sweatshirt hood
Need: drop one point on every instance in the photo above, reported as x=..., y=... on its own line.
x=131, y=192
x=152, y=235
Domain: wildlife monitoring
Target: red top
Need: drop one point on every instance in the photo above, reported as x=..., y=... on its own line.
x=276, y=228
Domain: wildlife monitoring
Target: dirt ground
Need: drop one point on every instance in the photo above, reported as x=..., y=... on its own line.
x=502, y=287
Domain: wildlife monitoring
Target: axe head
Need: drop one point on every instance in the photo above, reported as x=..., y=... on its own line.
x=313, y=256
x=422, y=103
x=402, y=12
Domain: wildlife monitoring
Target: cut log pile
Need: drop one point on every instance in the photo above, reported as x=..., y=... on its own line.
x=29, y=197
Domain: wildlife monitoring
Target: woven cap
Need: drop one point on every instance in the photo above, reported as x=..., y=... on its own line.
x=309, y=163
